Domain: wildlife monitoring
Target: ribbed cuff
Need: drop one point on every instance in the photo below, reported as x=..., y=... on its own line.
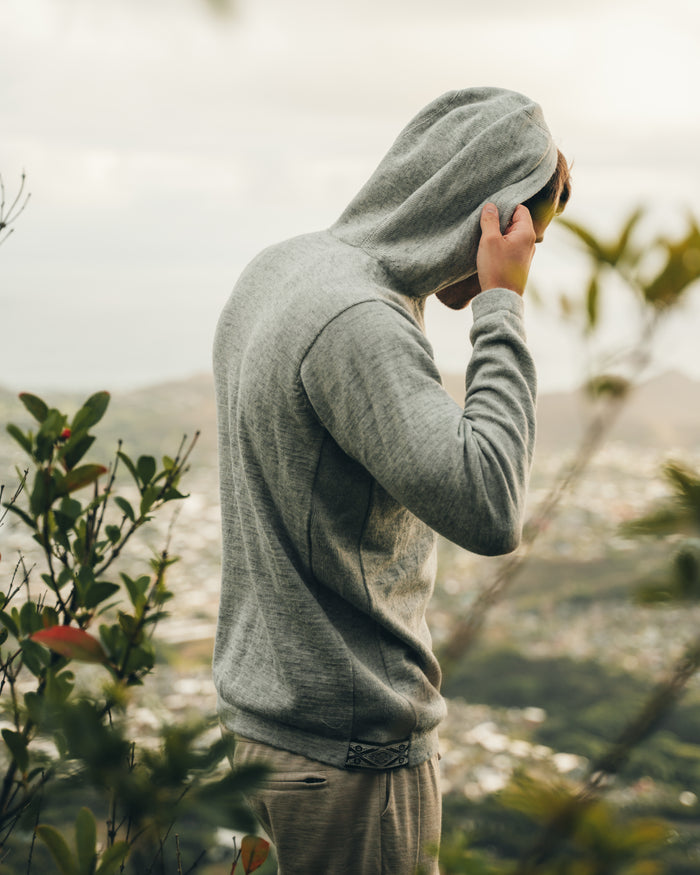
x=492, y=300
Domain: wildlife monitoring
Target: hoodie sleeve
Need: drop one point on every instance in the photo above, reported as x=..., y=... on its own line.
x=372, y=382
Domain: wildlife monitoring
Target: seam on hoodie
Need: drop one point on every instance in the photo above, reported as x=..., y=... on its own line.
x=450, y=99
x=353, y=684
x=377, y=627
x=311, y=511
x=530, y=111
x=374, y=300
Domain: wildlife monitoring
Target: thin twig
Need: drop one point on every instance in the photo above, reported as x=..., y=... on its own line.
x=196, y=863
x=564, y=822
x=178, y=855
x=18, y=491
x=36, y=824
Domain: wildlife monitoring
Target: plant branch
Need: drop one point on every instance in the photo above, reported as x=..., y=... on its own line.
x=565, y=821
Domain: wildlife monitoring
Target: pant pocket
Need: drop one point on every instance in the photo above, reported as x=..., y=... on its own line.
x=288, y=781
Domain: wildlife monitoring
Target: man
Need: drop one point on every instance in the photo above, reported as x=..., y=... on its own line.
x=341, y=456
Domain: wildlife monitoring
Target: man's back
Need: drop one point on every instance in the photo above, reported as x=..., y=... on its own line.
x=341, y=456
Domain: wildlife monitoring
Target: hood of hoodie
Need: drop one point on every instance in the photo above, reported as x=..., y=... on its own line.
x=419, y=213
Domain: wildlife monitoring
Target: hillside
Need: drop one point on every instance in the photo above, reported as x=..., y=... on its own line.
x=663, y=413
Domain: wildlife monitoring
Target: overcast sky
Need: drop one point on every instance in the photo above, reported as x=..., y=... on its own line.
x=165, y=145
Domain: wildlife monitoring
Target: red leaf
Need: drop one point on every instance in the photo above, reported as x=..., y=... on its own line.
x=72, y=643
x=254, y=851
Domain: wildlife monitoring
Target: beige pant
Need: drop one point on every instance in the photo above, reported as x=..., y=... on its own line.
x=328, y=821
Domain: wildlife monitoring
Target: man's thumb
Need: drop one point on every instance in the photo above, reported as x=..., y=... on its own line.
x=489, y=218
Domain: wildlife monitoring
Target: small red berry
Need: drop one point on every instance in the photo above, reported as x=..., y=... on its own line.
x=65, y=434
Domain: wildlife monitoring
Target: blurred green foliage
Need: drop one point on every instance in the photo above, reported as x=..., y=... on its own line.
x=541, y=826
x=59, y=743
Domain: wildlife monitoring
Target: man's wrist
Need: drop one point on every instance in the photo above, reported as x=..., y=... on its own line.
x=491, y=300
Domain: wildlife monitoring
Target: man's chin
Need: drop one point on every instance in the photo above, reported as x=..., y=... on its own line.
x=459, y=294
x=455, y=299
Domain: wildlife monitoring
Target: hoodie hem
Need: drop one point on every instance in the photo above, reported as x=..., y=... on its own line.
x=337, y=752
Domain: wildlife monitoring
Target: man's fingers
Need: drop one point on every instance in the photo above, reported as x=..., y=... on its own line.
x=489, y=219
x=521, y=223
x=503, y=261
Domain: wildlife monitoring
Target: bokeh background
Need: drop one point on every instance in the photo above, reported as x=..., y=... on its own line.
x=165, y=143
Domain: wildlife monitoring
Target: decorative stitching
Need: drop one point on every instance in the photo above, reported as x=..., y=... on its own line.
x=367, y=755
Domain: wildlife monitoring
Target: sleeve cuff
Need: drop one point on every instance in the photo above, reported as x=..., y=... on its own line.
x=492, y=300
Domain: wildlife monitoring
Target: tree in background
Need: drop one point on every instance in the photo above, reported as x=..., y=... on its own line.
x=577, y=831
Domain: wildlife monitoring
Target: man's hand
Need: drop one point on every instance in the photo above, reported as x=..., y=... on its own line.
x=503, y=260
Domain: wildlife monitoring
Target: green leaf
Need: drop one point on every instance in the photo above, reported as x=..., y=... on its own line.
x=75, y=448
x=49, y=433
x=146, y=468
x=681, y=270
x=174, y=494
x=29, y=619
x=601, y=253
x=592, y=294
x=91, y=412
x=128, y=623
x=141, y=657
x=608, y=385
x=84, y=579
x=686, y=570
x=68, y=512
x=136, y=589
x=86, y=841
x=98, y=592
x=58, y=687
x=130, y=465
x=36, y=706
x=26, y=519
x=686, y=485
x=58, y=848
x=43, y=492
x=83, y=476
x=620, y=251
x=64, y=577
x=35, y=406
x=22, y=439
x=150, y=494
x=125, y=508
x=112, y=858
x=8, y=622
x=49, y=616
x=35, y=657
x=18, y=748
x=113, y=533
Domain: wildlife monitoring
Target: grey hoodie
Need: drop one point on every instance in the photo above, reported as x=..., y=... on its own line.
x=341, y=455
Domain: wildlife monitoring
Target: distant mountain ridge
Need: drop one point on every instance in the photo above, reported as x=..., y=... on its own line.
x=662, y=413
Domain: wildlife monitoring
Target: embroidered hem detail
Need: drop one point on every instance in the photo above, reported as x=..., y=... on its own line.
x=366, y=755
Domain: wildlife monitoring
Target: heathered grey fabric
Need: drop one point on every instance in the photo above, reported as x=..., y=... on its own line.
x=340, y=453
